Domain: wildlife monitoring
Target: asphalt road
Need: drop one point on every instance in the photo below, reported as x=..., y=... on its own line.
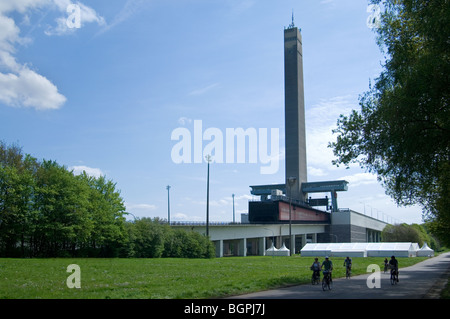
x=422, y=280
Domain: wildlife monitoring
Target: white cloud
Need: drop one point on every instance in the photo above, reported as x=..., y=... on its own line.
x=20, y=86
x=141, y=206
x=29, y=89
x=68, y=10
x=95, y=172
x=240, y=6
x=316, y=171
x=203, y=90
x=130, y=8
x=321, y=119
x=184, y=120
x=360, y=179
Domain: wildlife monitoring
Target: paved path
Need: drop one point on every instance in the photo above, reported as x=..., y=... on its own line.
x=422, y=280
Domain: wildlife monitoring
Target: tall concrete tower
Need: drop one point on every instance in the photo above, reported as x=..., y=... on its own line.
x=295, y=136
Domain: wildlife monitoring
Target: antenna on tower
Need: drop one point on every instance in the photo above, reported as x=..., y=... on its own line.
x=292, y=23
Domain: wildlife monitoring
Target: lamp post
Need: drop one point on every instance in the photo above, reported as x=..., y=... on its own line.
x=291, y=182
x=208, y=159
x=168, y=203
x=232, y=195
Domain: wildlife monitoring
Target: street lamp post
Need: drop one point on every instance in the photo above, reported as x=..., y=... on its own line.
x=232, y=195
x=291, y=182
x=208, y=159
x=168, y=203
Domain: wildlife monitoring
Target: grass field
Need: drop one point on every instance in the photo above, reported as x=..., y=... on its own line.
x=162, y=278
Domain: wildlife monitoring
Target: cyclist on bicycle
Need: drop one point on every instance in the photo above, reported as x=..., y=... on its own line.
x=315, y=267
x=348, y=264
x=393, y=263
x=327, y=266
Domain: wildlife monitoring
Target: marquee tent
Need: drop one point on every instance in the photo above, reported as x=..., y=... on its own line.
x=425, y=251
x=283, y=251
x=391, y=249
x=360, y=249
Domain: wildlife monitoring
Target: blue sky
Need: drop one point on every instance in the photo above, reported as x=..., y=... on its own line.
x=106, y=96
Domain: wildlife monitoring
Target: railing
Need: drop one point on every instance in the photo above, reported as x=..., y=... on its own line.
x=193, y=223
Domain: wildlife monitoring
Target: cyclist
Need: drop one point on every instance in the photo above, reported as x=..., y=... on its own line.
x=393, y=263
x=315, y=267
x=327, y=266
x=348, y=264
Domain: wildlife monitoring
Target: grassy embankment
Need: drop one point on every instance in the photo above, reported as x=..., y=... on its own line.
x=162, y=278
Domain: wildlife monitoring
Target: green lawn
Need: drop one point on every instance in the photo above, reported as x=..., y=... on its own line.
x=162, y=278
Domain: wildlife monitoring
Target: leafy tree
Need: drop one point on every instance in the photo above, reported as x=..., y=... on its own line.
x=63, y=206
x=401, y=233
x=47, y=211
x=16, y=193
x=148, y=238
x=106, y=213
x=402, y=131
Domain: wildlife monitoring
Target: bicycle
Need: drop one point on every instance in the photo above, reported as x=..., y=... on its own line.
x=394, y=276
x=326, y=281
x=315, y=278
x=348, y=272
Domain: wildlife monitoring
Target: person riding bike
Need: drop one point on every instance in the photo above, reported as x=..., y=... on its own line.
x=315, y=267
x=327, y=266
x=348, y=264
x=393, y=263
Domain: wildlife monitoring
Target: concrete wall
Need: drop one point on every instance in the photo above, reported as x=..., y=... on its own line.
x=350, y=226
x=254, y=239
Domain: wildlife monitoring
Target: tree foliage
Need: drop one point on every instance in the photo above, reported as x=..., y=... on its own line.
x=409, y=233
x=47, y=211
x=152, y=238
x=402, y=131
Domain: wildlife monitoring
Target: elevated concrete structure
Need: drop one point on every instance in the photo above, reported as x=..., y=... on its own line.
x=255, y=239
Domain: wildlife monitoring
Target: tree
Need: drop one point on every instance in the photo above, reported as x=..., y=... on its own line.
x=63, y=207
x=402, y=131
x=17, y=216
x=401, y=233
x=47, y=211
x=106, y=213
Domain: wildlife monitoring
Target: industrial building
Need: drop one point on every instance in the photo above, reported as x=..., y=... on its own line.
x=285, y=214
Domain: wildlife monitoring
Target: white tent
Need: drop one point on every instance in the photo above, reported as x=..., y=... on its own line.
x=425, y=251
x=283, y=251
x=315, y=250
x=359, y=250
x=391, y=249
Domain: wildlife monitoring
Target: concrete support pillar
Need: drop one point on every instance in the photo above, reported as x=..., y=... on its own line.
x=303, y=240
x=219, y=248
x=262, y=246
x=292, y=246
x=243, y=247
